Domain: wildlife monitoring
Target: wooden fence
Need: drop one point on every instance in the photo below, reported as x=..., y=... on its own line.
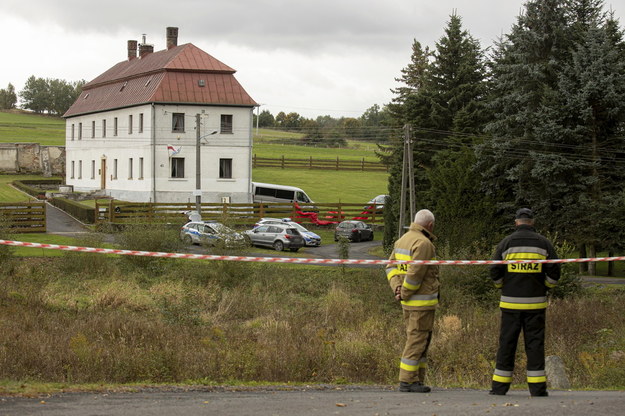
x=310, y=163
x=23, y=217
x=115, y=212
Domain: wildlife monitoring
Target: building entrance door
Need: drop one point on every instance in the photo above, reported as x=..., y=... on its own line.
x=103, y=174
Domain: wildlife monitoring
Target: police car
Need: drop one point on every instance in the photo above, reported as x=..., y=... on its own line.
x=310, y=239
x=211, y=233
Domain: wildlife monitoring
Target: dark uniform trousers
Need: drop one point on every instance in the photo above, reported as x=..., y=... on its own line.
x=532, y=323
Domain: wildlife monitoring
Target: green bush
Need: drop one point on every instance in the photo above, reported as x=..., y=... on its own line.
x=36, y=191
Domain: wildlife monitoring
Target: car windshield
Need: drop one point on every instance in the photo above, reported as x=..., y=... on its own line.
x=298, y=227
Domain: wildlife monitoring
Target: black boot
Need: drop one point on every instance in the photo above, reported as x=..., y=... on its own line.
x=416, y=387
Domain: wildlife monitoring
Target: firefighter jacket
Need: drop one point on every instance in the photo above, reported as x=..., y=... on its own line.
x=524, y=285
x=419, y=283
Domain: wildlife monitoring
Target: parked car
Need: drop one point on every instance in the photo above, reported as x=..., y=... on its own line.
x=354, y=231
x=376, y=203
x=278, y=236
x=211, y=233
x=310, y=239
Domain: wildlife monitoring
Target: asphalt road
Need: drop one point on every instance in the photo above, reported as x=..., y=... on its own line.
x=327, y=400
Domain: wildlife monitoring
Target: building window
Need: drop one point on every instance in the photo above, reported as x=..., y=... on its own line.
x=72, y=170
x=177, y=167
x=177, y=122
x=93, y=129
x=80, y=169
x=72, y=132
x=115, y=126
x=226, y=123
x=114, y=168
x=93, y=169
x=130, y=168
x=130, y=124
x=140, y=122
x=79, y=131
x=140, y=168
x=104, y=128
x=225, y=168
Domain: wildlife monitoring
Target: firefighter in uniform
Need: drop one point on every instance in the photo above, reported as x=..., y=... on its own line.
x=416, y=286
x=523, y=302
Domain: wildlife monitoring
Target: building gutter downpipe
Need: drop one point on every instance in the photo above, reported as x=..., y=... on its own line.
x=153, y=134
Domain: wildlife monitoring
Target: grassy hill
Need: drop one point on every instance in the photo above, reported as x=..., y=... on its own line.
x=18, y=126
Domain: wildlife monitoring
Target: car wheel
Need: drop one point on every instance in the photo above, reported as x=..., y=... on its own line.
x=336, y=238
x=278, y=246
x=357, y=238
x=187, y=240
x=371, y=237
x=294, y=249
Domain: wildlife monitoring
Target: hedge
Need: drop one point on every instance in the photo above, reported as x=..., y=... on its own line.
x=75, y=209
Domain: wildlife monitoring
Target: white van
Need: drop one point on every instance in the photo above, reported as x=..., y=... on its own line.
x=270, y=192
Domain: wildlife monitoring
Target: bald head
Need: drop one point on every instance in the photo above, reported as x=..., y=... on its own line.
x=425, y=218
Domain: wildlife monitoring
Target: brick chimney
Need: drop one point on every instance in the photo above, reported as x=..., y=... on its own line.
x=172, y=37
x=144, y=48
x=132, y=49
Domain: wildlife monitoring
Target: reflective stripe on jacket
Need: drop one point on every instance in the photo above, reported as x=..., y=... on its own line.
x=419, y=283
x=524, y=285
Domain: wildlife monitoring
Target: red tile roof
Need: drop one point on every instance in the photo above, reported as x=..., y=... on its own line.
x=169, y=76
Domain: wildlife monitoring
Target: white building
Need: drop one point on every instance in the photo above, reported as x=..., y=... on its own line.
x=132, y=133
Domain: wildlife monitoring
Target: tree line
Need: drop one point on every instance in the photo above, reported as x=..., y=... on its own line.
x=375, y=125
x=42, y=95
x=537, y=121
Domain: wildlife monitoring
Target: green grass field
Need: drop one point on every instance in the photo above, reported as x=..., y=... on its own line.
x=17, y=127
x=328, y=186
x=304, y=152
x=10, y=194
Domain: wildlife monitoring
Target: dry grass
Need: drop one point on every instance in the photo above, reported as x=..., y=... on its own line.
x=221, y=322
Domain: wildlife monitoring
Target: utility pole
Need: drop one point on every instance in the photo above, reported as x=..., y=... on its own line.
x=198, y=176
x=407, y=178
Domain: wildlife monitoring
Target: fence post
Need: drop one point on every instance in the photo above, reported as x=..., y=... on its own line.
x=310, y=163
x=111, y=211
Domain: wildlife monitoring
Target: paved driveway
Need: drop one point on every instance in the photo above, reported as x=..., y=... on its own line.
x=315, y=400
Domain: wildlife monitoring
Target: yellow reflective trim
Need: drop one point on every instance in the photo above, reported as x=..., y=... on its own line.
x=541, y=379
x=420, y=302
x=549, y=285
x=410, y=286
x=525, y=256
x=523, y=306
x=498, y=285
x=525, y=267
x=392, y=273
x=502, y=379
x=399, y=256
x=408, y=367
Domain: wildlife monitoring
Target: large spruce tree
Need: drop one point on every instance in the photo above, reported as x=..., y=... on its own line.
x=443, y=102
x=558, y=103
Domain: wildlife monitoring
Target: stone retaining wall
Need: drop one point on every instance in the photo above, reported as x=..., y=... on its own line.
x=32, y=158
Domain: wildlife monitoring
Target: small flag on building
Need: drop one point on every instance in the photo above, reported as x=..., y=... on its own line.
x=172, y=150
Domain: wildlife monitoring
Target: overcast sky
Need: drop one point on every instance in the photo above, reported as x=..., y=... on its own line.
x=315, y=58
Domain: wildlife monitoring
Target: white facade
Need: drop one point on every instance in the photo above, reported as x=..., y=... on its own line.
x=124, y=153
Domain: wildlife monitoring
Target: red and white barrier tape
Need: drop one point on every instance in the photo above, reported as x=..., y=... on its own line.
x=298, y=260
